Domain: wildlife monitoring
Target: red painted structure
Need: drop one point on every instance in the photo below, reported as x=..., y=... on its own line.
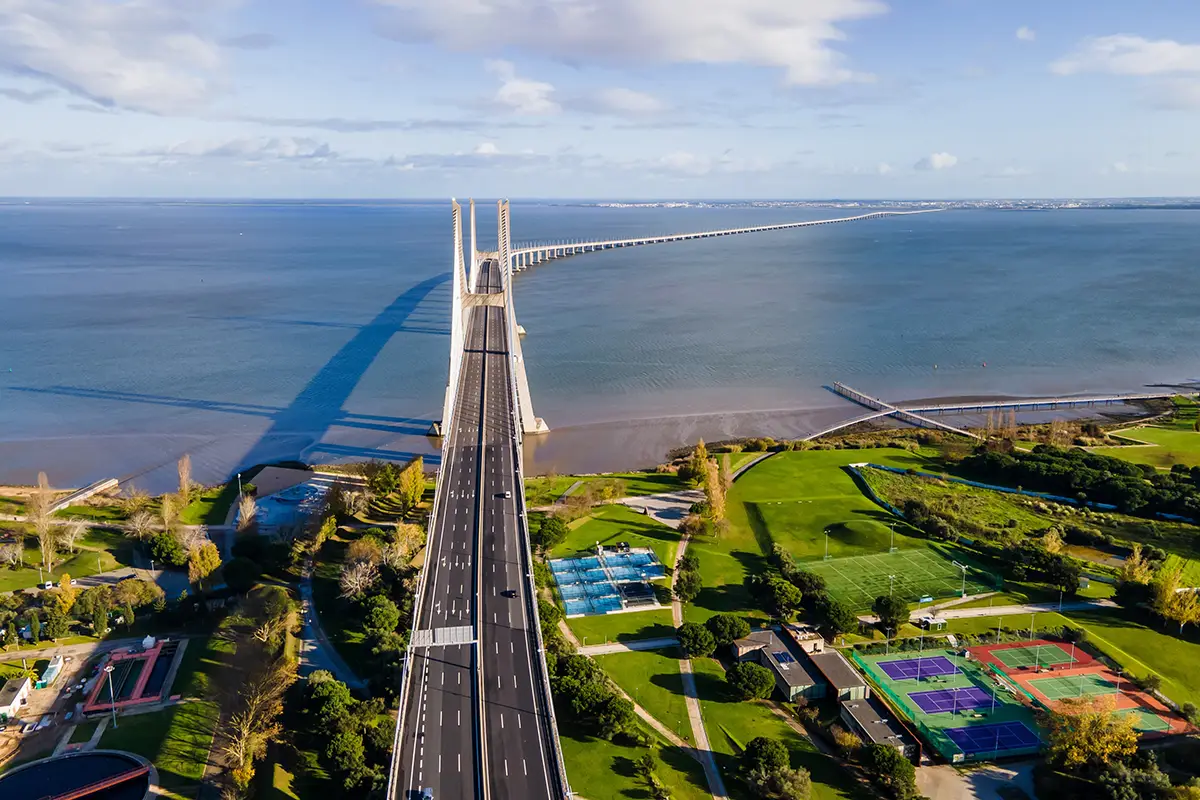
x=94, y=704
x=99, y=786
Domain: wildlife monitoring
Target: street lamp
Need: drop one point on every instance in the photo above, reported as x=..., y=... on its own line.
x=239, y=484
x=891, y=584
x=112, y=698
x=892, y=547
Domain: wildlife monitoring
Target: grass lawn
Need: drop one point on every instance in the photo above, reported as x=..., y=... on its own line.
x=603, y=770
x=105, y=513
x=651, y=678
x=804, y=491
x=732, y=723
x=83, y=563
x=176, y=740
x=544, y=491
x=616, y=523
x=993, y=509
x=83, y=732
x=12, y=505
x=1171, y=446
x=603, y=628
x=211, y=505
x=201, y=660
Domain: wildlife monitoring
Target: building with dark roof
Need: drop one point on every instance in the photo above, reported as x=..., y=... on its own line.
x=873, y=723
x=844, y=681
x=792, y=678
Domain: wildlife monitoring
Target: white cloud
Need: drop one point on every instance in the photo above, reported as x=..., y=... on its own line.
x=1130, y=55
x=279, y=148
x=1120, y=166
x=486, y=149
x=139, y=54
x=936, y=161
x=627, y=101
x=793, y=36
x=1026, y=34
x=521, y=95
x=884, y=168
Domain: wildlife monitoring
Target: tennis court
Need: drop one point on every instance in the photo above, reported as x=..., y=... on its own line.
x=995, y=739
x=956, y=696
x=917, y=668
x=1147, y=721
x=1036, y=655
x=1073, y=686
x=951, y=701
x=908, y=574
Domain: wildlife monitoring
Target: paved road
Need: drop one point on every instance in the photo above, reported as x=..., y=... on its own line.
x=626, y=647
x=473, y=726
x=1004, y=611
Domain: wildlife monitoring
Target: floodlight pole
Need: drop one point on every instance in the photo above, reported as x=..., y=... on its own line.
x=827, y=544
x=1031, y=616
x=891, y=584
x=112, y=698
x=892, y=546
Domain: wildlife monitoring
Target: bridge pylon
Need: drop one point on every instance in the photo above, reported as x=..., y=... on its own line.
x=457, y=307
x=530, y=423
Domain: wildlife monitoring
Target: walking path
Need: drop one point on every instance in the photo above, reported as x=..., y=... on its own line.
x=1003, y=611
x=629, y=646
x=662, y=729
x=316, y=651
x=86, y=649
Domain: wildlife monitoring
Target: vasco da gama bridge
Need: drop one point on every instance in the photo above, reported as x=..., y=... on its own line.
x=476, y=716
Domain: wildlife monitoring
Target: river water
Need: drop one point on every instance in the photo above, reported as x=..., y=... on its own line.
x=131, y=332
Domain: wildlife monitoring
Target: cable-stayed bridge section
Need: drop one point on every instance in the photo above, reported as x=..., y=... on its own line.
x=476, y=713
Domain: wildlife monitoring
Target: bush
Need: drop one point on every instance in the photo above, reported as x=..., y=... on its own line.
x=166, y=549
x=764, y=753
x=241, y=574
x=381, y=616
x=889, y=769
x=750, y=681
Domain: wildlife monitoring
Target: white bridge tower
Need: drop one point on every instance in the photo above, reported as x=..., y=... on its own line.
x=465, y=283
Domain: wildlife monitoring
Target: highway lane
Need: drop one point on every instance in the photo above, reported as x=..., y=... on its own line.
x=439, y=742
x=476, y=551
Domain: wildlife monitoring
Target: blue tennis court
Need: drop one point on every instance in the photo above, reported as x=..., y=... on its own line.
x=997, y=737
x=608, y=581
x=949, y=701
x=909, y=668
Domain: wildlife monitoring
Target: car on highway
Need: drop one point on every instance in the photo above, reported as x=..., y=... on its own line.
x=509, y=593
x=427, y=794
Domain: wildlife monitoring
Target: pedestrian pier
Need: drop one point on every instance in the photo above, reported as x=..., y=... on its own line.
x=907, y=415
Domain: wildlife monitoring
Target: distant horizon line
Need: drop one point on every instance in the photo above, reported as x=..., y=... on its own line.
x=598, y=199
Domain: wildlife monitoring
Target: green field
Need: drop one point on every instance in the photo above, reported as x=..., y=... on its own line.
x=651, y=678
x=211, y=505
x=1171, y=446
x=732, y=723
x=616, y=523
x=83, y=732
x=629, y=626
x=971, y=674
x=602, y=770
x=784, y=479
x=544, y=491
x=176, y=740
x=81, y=564
x=909, y=574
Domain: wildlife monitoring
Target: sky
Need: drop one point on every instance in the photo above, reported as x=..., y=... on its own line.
x=617, y=99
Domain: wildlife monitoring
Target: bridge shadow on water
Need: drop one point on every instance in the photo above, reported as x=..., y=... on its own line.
x=298, y=429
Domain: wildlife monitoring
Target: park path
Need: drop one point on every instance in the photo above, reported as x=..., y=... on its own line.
x=628, y=646
x=658, y=725
x=1003, y=611
x=316, y=651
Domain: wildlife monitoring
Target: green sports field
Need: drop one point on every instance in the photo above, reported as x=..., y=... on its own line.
x=908, y=574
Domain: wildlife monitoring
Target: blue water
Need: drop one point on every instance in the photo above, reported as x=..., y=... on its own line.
x=135, y=331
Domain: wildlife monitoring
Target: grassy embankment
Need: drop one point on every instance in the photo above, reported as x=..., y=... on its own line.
x=101, y=550
x=1164, y=443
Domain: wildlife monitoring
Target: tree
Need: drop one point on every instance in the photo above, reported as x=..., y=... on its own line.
x=12, y=555
x=35, y=627
x=166, y=549
x=890, y=769
x=384, y=480
x=167, y=512
x=688, y=584
x=357, y=578
x=552, y=532
x=810, y=584
x=70, y=534
x=184, y=469
x=714, y=490
x=381, y=618
x=202, y=562
x=57, y=623
x=412, y=484
x=892, y=612
x=837, y=616
x=247, y=518
x=764, y=753
x=99, y=622
x=783, y=783
x=1086, y=731
x=97, y=598
x=785, y=598
x=46, y=533
x=65, y=594
x=136, y=592
x=241, y=574
x=696, y=640
x=1136, y=567
x=10, y=635
x=750, y=681
x=409, y=537
x=129, y=615
x=140, y=525
x=725, y=628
